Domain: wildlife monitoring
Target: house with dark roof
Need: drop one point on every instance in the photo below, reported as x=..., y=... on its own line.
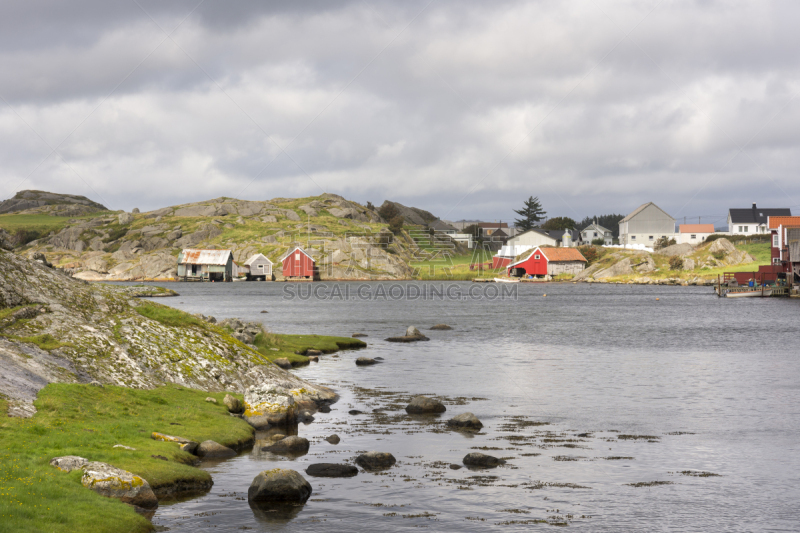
x=440, y=226
x=646, y=225
x=595, y=231
x=753, y=220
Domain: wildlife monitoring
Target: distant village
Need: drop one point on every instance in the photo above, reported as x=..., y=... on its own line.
x=540, y=253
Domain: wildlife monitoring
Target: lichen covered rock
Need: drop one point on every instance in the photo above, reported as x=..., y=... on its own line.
x=266, y=405
x=113, y=482
x=279, y=485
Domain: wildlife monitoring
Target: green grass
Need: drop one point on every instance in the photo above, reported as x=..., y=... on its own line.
x=288, y=345
x=46, y=223
x=169, y=316
x=88, y=421
x=44, y=341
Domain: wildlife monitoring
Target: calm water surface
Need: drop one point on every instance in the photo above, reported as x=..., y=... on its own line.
x=715, y=380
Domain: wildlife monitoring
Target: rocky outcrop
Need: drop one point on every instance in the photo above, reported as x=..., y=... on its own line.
x=279, y=485
x=425, y=405
x=412, y=335
x=412, y=215
x=375, y=460
x=683, y=249
x=366, y=361
x=621, y=268
x=267, y=406
x=68, y=463
x=113, y=482
x=722, y=245
x=104, y=338
x=25, y=200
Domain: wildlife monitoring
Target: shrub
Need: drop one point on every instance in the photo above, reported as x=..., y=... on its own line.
x=719, y=256
x=598, y=242
x=396, y=224
x=663, y=242
x=23, y=236
x=590, y=253
x=676, y=262
x=388, y=211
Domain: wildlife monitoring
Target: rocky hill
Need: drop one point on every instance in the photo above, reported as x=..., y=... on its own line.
x=412, y=215
x=67, y=205
x=54, y=328
x=348, y=240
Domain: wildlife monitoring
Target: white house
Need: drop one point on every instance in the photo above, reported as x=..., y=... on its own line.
x=532, y=238
x=646, y=225
x=596, y=231
x=753, y=221
x=694, y=233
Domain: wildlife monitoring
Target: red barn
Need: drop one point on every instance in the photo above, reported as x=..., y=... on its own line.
x=549, y=261
x=298, y=264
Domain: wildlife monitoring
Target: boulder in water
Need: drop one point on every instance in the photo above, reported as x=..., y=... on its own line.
x=425, y=405
x=279, y=485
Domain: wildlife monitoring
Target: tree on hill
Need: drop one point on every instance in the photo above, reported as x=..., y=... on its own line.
x=561, y=223
x=531, y=214
x=610, y=222
x=388, y=211
x=396, y=224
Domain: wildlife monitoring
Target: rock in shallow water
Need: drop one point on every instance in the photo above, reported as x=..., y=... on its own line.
x=293, y=445
x=424, y=405
x=366, y=361
x=113, y=482
x=375, y=460
x=283, y=363
x=465, y=421
x=331, y=470
x=333, y=439
x=279, y=485
x=441, y=327
x=208, y=449
x=481, y=459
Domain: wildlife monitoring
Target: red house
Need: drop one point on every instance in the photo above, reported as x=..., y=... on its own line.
x=548, y=261
x=298, y=264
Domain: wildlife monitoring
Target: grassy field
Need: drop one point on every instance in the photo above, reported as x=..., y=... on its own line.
x=454, y=267
x=88, y=421
x=42, y=223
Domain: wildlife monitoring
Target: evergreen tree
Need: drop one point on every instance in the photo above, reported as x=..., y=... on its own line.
x=531, y=214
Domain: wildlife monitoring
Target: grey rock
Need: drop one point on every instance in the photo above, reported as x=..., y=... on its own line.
x=676, y=249
x=356, y=335
x=441, y=327
x=113, y=482
x=413, y=332
x=208, y=449
x=366, y=361
x=283, y=363
x=481, y=459
x=375, y=460
x=312, y=351
x=722, y=245
x=292, y=445
x=455, y=467
x=135, y=210
x=209, y=399
x=123, y=447
x=314, y=359
x=331, y=470
x=233, y=404
x=190, y=447
x=333, y=439
x=425, y=405
x=465, y=421
x=40, y=257
x=68, y=463
x=125, y=218
x=279, y=485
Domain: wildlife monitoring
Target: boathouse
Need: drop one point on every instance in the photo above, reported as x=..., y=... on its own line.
x=205, y=265
x=548, y=261
x=258, y=266
x=298, y=264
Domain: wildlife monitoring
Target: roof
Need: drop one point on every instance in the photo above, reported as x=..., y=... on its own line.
x=490, y=225
x=757, y=215
x=195, y=256
x=554, y=255
x=696, y=228
x=291, y=251
x=775, y=222
x=642, y=208
x=254, y=257
x=598, y=227
x=536, y=230
x=499, y=233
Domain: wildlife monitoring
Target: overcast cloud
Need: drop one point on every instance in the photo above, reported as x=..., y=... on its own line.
x=462, y=108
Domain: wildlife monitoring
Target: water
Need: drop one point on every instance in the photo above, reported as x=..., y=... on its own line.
x=715, y=380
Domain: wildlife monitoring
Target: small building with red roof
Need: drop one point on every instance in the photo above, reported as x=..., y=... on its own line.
x=694, y=233
x=548, y=262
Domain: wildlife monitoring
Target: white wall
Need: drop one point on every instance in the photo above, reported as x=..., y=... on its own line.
x=686, y=238
x=531, y=239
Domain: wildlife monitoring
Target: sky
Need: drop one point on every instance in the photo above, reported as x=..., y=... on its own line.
x=462, y=108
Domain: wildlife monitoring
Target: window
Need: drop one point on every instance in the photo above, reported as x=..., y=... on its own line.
x=633, y=237
x=746, y=229
x=297, y=256
x=776, y=261
x=650, y=238
x=775, y=241
x=595, y=234
x=694, y=236
x=740, y=229
x=537, y=256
